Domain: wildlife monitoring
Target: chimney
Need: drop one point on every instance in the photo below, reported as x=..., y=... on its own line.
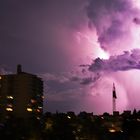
x=19, y=69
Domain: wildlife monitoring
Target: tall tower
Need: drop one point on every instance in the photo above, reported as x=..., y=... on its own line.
x=114, y=97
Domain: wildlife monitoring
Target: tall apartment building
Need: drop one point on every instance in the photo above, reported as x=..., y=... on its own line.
x=21, y=95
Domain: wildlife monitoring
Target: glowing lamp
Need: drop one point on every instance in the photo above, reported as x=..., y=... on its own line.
x=9, y=109
x=112, y=130
x=10, y=97
x=38, y=110
x=33, y=101
x=68, y=117
x=29, y=109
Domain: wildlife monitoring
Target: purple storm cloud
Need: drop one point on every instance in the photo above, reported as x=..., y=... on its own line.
x=113, y=20
x=53, y=37
x=124, y=62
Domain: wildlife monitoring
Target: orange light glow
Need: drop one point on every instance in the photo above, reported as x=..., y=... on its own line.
x=112, y=130
x=29, y=109
x=9, y=109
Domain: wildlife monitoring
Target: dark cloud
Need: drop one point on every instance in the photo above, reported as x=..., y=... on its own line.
x=60, y=83
x=75, y=79
x=126, y=61
x=90, y=80
x=60, y=87
x=136, y=20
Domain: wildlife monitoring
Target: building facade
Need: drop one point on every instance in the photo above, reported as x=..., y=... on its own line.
x=21, y=95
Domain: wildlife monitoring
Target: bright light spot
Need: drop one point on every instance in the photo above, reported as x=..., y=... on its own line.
x=102, y=117
x=136, y=36
x=9, y=109
x=38, y=118
x=33, y=101
x=92, y=39
x=112, y=130
x=29, y=109
x=138, y=120
x=0, y=77
x=10, y=97
x=40, y=107
x=38, y=110
x=68, y=117
x=102, y=54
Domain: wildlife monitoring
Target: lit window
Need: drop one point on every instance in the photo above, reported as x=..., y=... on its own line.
x=38, y=118
x=0, y=77
x=33, y=101
x=29, y=109
x=9, y=109
x=112, y=130
x=38, y=110
x=40, y=107
x=68, y=117
x=102, y=117
x=9, y=97
x=138, y=120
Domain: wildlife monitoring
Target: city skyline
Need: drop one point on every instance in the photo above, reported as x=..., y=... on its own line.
x=78, y=47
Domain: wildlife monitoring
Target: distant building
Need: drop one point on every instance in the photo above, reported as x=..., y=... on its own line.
x=21, y=95
x=126, y=113
x=116, y=113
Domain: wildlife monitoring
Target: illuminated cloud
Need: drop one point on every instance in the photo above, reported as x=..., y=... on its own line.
x=114, y=22
x=118, y=32
x=124, y=62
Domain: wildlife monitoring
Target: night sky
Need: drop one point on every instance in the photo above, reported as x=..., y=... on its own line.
x=78, y=47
